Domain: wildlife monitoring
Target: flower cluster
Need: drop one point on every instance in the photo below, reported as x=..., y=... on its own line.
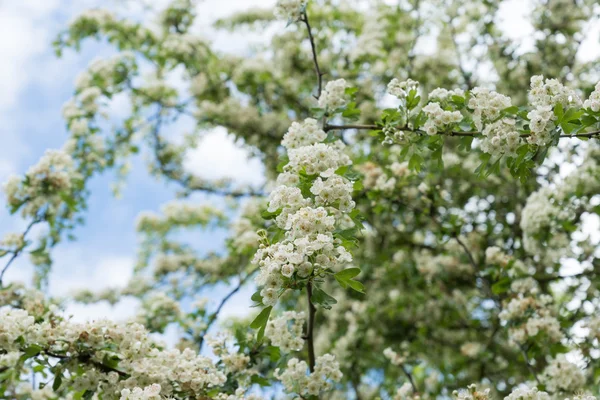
x=334, y=95
x=140, y=360
x=527, y=393
x=290, y=10
x=544, y=96
x=303, y=134
x=318, y=159
x=44, y=185
x=501, y=138
x=401, y=89
x=438, y=119
x=471, y=393
x=334, y=191
x=562, y=375
x=593, y=102
x=530, y=315
x=151, y=392
x=157, y=311
x=443, y=95
x=234, y=361
x=394, y=357
x=179, y=214
x=549, y=208
x=296, y=380
x=11, y=242
x=487, y=105
x=285, y=331
x=308, y=217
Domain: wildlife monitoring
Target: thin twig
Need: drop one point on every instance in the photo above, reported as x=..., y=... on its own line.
x=529, y=366
x=314, y=55
x=186, y=181
x=310, y=328
x=466, y=249
x=225, y=299
x=327, y=128
x=87, y=359
x=410, y=379
x=18, y=251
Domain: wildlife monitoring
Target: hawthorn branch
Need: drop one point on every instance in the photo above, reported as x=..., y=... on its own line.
x=84, y=358
x=588, y=135
x=529, y=366
x=225, y=299
x=313, y=47
x=410, y=378
x=310, y=328
x=19, y=250
x=462, y=244
x=186, y=180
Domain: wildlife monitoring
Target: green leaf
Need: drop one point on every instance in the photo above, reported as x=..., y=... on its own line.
x=30, y=352
x=415, y=162
x=572, y=114
x=412, y=100
x=588, y=120
x=437, y=156
x=322, y=298
x=348, y=273
x=357, y=186
x=458, y=100
x=57, y=381
x=356, y=285
x=260, y=322
x=345, y=280
x=351, y=112
x=111, y=361
x=501, y=286
x=558, y=111
x=259, y=380
x=270, y=215
x=274, y=353
x=257, y=298
x=351, y=91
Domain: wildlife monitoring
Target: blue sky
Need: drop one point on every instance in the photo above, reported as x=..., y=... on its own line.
x=34, y=86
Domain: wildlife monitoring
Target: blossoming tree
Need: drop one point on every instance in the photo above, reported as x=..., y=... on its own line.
x=411, y=241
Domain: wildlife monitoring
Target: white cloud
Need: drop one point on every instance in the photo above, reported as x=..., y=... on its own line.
x=218, y=156
x=24, y=35
x=92, y=312
x=75, y=270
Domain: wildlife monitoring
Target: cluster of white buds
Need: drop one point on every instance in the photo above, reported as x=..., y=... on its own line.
x=401, y=89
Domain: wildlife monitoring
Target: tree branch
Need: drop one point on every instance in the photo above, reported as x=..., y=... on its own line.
x=186, y=181
x=225, y=299
x=311, y=38
x=310, y=328
x=529, y=366
x=19, y=250
x=410, y=378
x=328, y=128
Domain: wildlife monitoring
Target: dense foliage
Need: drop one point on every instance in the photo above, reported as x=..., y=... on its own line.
x=418, y=236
